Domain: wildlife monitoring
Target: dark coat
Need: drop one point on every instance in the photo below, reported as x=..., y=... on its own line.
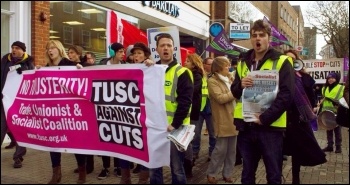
x=197, y=95
x=300, y=141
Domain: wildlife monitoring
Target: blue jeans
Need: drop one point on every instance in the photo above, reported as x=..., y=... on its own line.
x=254, y=143
x=176, y=166
x=196, y=143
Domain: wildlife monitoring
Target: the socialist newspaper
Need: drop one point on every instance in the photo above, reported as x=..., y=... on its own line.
x=259, y=97
x=182, y=136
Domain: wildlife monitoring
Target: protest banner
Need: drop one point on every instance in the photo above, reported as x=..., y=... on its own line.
x=277, y=37
x=221, y=45
x=115, y=110
x=153, y=33
x=320, y=68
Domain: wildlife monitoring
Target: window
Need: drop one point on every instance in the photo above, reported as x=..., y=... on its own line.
x=85, y=15
x=68, y=7
x=86, y=38
x=101, y=38
x=68, y=35
x=281, y=11
x=101, y=17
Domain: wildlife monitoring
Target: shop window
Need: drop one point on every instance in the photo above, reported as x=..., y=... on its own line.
x=68, y=35
x=85, y=15
x=86, y=38
x=68, y=7
x=101, y=18
x=101, y=41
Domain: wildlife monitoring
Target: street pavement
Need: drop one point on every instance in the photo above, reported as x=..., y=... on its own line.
x=37, y=168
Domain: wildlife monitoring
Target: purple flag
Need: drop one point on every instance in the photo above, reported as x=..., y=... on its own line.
x=346, y=68
x=221, y=45
x=277, y=37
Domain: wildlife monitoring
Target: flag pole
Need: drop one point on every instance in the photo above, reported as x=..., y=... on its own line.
x=202, y=53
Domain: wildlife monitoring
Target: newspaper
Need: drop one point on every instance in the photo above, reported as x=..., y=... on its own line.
x=259, y=97
x=182, y=136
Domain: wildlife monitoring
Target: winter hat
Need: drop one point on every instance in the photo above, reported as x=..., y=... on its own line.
x=20, y=44
x=128, y=50
x=332, y=75
x=143, y=47
x=116, y=46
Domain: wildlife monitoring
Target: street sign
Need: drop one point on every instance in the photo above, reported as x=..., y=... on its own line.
x=215, y=28
x=240, y=30
x=299, y=48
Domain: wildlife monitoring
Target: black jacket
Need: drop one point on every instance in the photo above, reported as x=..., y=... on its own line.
x=105, y=60
x=7, y=61
x=197, y=95
x=284, y=97
x=67, y=62
x=184, y=91
x=300, y=141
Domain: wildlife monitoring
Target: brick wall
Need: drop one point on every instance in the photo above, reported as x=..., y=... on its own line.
x=40, y=30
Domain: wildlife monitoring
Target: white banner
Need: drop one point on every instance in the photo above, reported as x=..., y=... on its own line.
x=114, y=110
x=320, y=68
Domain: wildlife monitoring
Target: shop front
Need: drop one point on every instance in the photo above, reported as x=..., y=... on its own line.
x=85, y=23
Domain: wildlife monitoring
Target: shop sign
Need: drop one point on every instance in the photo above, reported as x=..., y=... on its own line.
x=163, y=6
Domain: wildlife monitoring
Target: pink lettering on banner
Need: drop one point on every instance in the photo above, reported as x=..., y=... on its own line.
x=101, y=110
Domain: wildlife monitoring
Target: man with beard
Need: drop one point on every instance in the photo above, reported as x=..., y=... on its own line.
x=178, y=106
x=264, y=137
x=18, y=59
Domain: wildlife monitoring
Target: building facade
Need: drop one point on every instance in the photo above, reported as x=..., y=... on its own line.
x=309, y=49
x=84, y=23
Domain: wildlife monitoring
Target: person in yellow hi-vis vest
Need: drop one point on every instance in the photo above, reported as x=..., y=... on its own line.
x=178, y=100
x=332, y=92
x=264, y=137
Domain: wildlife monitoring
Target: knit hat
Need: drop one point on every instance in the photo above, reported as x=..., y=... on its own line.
x=332, y=75
x=143, y=47
x=128, y=50
x=20, y=44
x=116, y=46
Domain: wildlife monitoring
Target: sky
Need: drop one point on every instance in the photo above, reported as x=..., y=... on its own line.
x=319, y=38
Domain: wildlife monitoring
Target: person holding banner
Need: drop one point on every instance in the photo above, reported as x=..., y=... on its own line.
x=17, y=60
x=116, y=53
x=56, y=56
x=263, y=137
x=178, y=106
x=332, y=91
x=140, y=54
x=194, y=63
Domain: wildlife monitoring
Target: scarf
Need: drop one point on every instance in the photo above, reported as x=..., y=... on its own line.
x=225, y=79
x=302, y=102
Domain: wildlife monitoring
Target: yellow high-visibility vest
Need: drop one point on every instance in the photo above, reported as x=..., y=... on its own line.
x=242, y=70
x=335, y=94
x=205, y=93
x=170, y=86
